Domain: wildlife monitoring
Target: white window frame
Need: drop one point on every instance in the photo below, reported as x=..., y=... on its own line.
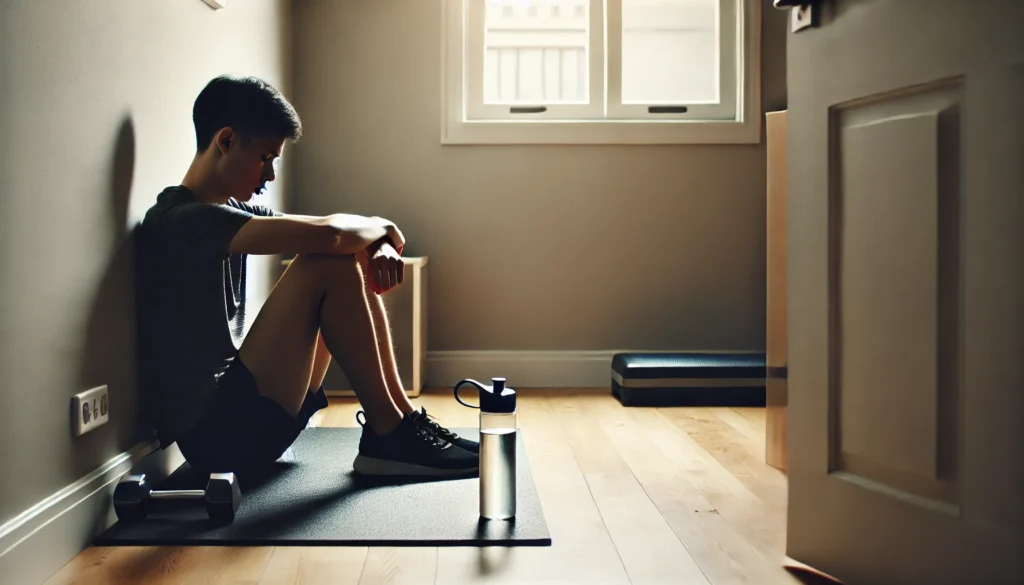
x=725, y=109
x=474, y=45
x=626, y=124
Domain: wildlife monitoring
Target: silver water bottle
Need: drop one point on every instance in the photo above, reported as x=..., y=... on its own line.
x=498, y=426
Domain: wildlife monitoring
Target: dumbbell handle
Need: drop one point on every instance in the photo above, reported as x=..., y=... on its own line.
x=178, y=495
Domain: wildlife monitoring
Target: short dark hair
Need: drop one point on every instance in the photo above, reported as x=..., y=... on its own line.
x=250, y=106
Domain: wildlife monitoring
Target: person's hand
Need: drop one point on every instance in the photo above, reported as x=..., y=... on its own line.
x=385, y=267
x=396, y=237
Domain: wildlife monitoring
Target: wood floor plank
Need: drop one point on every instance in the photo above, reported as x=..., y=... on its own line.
x=724, y=556
x=650, y=550
x=212, y=565
x=315, y=565
x=729, y=427
x=166, y=565
x=114, y=565
x=93, y=565
x=581, y=551
x=727, y=558
x=755, y=414
x=740, y=456
x=761, y=525
x=743, y=424
x=399, y=566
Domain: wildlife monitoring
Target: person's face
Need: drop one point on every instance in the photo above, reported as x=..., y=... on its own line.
x=247, y=166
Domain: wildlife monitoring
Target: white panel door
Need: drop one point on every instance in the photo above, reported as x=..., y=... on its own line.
x=906, y=291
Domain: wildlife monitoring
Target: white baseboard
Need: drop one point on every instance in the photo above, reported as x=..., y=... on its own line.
x=523, y=369
x=533, y=369
x=38, y=542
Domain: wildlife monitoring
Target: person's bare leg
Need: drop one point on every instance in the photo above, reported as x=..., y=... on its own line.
x=321, y=361
x=319, y=294
x=387, y=350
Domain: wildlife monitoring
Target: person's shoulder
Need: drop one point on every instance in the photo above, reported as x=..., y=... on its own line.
x=178, y=204
x=178, y=214
x=254, y=208
x=167, y=202
x=179, y=221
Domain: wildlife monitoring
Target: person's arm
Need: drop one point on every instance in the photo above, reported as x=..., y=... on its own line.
x=303, y=234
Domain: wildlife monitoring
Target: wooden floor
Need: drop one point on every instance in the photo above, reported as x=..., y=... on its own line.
x=631, y=495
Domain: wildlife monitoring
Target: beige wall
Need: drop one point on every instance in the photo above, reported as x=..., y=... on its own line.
x=532, y=248
x=95, y=117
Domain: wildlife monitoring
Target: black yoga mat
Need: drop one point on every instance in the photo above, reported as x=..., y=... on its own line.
x=312, y=497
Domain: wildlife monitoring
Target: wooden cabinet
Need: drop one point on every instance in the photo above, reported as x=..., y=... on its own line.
x=776, y=354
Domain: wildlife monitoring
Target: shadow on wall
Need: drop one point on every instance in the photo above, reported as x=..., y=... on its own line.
x=108, y=353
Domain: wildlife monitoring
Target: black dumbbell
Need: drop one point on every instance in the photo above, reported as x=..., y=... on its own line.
x=133, y=497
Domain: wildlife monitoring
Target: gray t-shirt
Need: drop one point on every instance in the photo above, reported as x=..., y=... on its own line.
x=191, y=304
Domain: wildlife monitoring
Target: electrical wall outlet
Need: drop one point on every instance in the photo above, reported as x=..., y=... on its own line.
x=89, y=410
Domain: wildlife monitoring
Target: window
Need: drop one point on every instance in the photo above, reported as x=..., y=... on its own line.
x=601, y=71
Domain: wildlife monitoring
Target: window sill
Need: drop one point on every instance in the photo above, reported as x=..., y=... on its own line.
x=600, y=132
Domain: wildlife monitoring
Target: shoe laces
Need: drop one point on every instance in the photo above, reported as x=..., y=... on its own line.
x=430, y=437
x=424, y=419
x=424, y=433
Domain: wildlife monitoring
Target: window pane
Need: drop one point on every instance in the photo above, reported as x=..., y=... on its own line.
x=670, y=51
x=536, y=51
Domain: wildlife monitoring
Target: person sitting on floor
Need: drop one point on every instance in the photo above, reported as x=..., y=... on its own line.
x=235, y=401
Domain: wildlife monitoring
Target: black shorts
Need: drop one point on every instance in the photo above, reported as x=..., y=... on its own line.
x=243, y=431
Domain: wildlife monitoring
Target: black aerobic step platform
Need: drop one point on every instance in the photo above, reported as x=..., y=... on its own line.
x=689, y=379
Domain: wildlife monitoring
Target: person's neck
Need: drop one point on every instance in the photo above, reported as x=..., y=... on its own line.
x=202, y=181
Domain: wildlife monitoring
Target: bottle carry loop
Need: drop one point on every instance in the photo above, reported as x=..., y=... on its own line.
x=463, y=383
x=496, y=398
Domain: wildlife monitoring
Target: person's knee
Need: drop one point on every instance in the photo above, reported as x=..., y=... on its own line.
x=334, y=269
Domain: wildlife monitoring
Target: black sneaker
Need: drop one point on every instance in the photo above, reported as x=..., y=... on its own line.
x=423, y=419
x=411, y=450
